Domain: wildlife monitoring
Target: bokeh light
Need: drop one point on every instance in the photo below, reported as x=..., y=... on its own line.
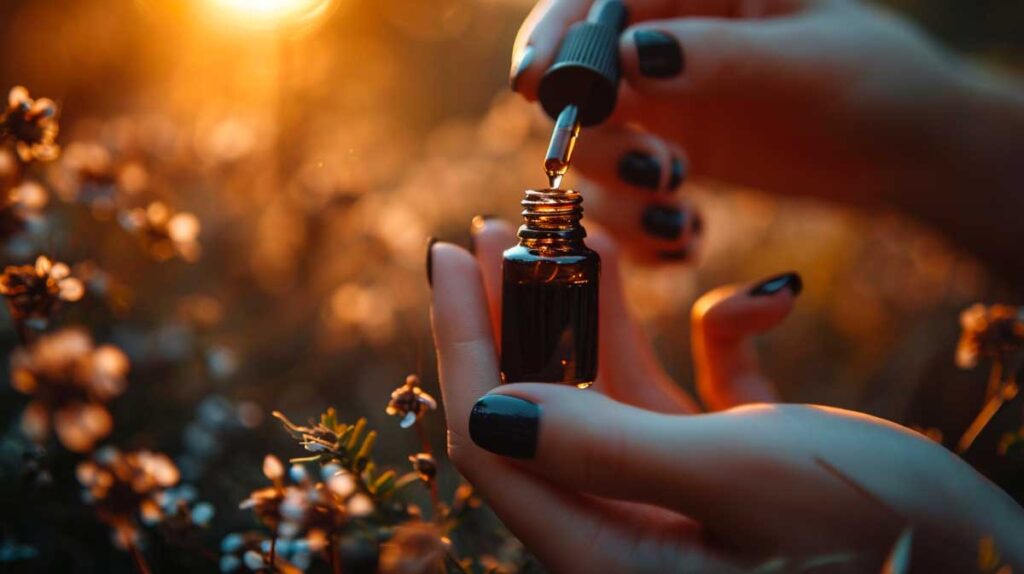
x=270, y=14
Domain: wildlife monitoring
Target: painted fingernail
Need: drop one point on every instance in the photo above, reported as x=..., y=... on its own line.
x=640, y=169
x=524, y=61
x=430, y=261
x=505, y=425
x=678, y=174
x=773, y=285
x=664, y=222
x=658, y=54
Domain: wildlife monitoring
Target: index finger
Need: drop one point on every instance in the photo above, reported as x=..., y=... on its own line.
x=541, y=34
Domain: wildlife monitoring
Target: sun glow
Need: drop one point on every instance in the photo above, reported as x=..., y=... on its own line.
x=269, y=14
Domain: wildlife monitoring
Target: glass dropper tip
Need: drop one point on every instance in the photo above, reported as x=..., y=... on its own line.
x=563, y=141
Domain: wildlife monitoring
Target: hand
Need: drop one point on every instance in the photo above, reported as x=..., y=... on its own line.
x=829, y=98
x=632, y=479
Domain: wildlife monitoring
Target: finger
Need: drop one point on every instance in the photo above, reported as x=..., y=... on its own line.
x=538, y=41
x=566, y=531
x=542, y=32
x=713, y=468
x=629, y=370
x=667, y=229
x=466, y=358
x=723, y=324
x=707, y=57
x=624, y=159
x=491, y=237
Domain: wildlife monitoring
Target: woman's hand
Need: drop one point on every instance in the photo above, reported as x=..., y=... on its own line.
x=823, y=97
x=632, y=479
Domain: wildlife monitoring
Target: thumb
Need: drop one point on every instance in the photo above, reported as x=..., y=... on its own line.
x=723, y=323
x=710, y=56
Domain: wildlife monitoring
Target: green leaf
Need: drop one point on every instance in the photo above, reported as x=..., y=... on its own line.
x=384, y=481
x=406, y=479
x=364, y=451
x=354, y=437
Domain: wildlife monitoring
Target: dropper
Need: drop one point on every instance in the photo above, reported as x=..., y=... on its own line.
x=581, y=86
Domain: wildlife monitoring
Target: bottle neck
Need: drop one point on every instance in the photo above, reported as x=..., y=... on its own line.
x=551, y=220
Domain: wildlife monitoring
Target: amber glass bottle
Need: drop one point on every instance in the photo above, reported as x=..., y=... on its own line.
x=549, y=295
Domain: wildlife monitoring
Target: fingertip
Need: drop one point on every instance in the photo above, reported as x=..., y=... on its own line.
x=735, y=311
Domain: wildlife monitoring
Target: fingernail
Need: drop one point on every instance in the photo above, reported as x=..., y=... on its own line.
x=658, y=53
x=677, y=175
x=773, y=285
x=505, y=425
x=430, y=261
x=664, y=222
x=524, y=61
x=640, y=169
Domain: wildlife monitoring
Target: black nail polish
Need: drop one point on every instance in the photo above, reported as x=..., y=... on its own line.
x=640, y=169
x=658, y=54
x=773, y=285
x=664, y=222
x=525, y=59
x=678, y=174
x=430, y=260
x=505, y=425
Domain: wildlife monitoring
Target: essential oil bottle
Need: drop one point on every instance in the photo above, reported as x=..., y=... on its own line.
x=550, y=295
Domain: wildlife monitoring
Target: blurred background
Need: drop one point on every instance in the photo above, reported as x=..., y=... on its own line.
x=320, y=145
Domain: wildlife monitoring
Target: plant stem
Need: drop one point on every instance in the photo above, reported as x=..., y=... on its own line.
x=435, y=497
x=273, y=547
x=332, y=555
x=1004, y=393
x=138, y=558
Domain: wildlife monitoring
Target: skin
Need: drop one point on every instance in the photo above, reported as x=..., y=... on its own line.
x=835, y=99
x=631, y=476
x=826, y=98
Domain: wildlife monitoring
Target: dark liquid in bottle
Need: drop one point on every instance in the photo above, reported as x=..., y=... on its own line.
x=549, y=328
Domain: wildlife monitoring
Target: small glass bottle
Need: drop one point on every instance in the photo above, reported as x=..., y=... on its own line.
x=550, y=295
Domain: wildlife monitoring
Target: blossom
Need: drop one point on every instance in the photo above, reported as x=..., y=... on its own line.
x=164, y=233
x=32, y=124
x=250, y=552
x=69, y=380
x=125, y=487
x=410, y=401
x=304, y=506
x=35, y=292
x=19, y=205
x=991, y=332
x=424, y=465
x=416, y=548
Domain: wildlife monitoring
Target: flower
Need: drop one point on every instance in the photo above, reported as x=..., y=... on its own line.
x=305, y=506
x=19, y=205
x=991, y=332
x=32, y=124
x=424, y=465
x=35, y=292
x=71, y=380
x=410, y=401
x=416, y=548
x=250, y=552
x=126, y=487
x=163, y=232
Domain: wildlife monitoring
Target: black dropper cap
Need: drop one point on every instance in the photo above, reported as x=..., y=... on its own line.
x=586, y=71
